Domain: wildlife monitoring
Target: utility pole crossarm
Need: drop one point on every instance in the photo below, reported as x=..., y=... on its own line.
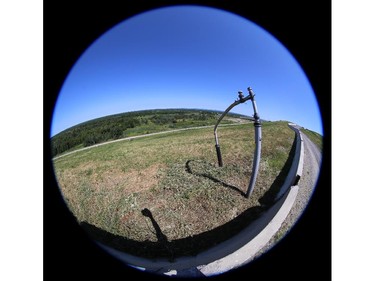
x=237, y=102
x=241, y=99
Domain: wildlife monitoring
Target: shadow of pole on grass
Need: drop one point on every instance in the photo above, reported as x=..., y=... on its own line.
x=235, y=188
x=188, y=246
x=162, y=239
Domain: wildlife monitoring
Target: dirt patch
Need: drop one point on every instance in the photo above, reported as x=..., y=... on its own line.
x=137, y=181
x=129, y=182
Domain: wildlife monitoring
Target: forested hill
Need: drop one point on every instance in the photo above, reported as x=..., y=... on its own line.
x=130, y=124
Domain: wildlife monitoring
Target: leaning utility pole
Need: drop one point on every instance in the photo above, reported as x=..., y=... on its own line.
x=258, y=137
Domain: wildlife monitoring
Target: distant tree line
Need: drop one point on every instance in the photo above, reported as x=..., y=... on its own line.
x=92, y=132
x=175, y=117
x=115, y=126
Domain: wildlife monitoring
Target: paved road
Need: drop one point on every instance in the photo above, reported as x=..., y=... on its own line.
x=313, y=151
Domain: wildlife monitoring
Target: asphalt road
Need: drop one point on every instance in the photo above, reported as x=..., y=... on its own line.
x=313, y=152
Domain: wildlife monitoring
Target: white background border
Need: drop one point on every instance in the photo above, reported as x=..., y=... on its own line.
x=21, y=115
x=21, y=101
x=353, y=77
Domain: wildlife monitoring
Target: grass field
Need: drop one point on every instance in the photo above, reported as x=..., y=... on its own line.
x=135, y=123
x=165, y=196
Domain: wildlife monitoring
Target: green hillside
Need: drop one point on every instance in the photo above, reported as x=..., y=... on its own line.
x=130, y=124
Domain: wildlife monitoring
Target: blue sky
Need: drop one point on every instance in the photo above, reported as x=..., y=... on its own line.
x=186, y=57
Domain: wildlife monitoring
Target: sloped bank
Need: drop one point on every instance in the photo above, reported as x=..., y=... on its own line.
x=239, y=249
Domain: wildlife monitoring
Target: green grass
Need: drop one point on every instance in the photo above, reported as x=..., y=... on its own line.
x=134, y=123
x=176, y=177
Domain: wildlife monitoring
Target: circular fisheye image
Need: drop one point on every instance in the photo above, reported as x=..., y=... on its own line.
x=186, y=141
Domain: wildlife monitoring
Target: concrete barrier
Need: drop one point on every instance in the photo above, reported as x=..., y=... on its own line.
x=295, y=172
x=237, y=250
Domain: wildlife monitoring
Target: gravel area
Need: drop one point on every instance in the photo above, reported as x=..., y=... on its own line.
x=310, y=173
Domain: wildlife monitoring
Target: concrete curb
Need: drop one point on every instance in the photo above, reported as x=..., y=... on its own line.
x=295, y=172
x=237, y=250
x=249, y=250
